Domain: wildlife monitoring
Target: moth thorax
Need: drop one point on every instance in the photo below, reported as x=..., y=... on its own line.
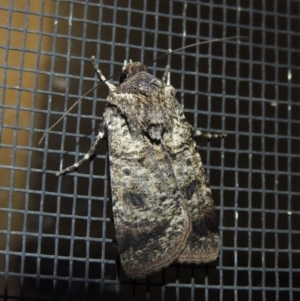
x=131, y=69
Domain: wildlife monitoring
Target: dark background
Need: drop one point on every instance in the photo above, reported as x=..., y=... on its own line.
x=57, y=234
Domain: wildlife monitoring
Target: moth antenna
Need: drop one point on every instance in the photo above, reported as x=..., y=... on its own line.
x=199, y=43
x=151, y=62
x=75, y=104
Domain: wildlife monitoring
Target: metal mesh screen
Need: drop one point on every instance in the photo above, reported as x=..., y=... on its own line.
x=57, y=238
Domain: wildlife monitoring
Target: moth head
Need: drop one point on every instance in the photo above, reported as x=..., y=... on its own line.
x=130, y=69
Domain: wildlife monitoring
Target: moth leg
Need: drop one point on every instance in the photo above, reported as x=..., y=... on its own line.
x=198, y=133
x=166, y=76
x=88, y=155
x=101, y=77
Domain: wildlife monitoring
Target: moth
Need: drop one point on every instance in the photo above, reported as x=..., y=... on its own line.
x=162, y=203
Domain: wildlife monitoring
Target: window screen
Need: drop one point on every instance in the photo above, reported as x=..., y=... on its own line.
x=57, y=237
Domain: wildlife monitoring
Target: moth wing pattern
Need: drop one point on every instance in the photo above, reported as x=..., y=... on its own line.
x=151, y=220
x=204, y=241
x=162, y=204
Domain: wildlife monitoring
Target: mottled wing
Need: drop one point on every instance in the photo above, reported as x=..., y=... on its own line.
x=204, y=241
x=150, y=215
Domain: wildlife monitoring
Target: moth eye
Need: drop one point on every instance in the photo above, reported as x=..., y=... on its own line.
x=122, y=78
x=188, y=162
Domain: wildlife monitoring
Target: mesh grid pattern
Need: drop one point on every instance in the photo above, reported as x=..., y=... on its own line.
x=57, y=238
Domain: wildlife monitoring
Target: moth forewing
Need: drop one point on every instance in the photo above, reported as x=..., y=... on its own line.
x=151, y=220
